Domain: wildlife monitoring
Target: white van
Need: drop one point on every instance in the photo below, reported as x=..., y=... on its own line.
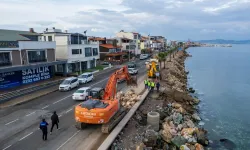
x=85, y=77
x=69, y=84
x=143, y=56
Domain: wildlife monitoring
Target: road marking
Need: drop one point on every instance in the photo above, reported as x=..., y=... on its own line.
x=69, y=110
x=11, y=122
x=30, y=114
x=61, y=99
x=68, y=140
x=7, y=147
x=26, y=136
x=45, y=107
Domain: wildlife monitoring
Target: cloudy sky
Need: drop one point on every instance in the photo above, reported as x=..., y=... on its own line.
x=174, y=19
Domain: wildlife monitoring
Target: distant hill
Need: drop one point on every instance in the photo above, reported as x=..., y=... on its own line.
x=221, y=41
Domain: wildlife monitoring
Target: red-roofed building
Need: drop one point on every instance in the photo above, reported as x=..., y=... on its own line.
x=111, y=53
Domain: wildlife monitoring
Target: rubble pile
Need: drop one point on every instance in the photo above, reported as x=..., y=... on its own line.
x=128, y=99
x=179, y=118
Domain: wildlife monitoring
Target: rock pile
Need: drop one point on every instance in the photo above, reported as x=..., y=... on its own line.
x=128, y=99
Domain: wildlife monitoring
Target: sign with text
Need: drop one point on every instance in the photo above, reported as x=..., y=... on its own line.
x=9, y=44
x=26, y=76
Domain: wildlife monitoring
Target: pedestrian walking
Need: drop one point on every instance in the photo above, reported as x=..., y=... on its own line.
x=55, y=121
x=146, y=83
x=157, y=74
x=44, y=128
x=152, y=85
x=158, y=86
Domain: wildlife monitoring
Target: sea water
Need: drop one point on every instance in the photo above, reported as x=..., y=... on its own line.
x=221, y=78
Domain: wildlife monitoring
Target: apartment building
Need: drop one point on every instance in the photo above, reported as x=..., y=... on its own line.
x=75, y=48
x=25, y=58
x=134, y=44
x=158, y=42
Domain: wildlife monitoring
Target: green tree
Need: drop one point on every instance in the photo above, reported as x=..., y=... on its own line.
x=161, y=57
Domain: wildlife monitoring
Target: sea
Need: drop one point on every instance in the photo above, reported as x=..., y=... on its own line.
x=221, y=79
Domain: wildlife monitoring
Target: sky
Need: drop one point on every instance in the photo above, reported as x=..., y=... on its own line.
x=174, y=19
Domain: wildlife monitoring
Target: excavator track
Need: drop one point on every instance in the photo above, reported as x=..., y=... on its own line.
x=106, y=128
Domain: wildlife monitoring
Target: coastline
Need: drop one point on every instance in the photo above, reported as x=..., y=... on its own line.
x=178, y=114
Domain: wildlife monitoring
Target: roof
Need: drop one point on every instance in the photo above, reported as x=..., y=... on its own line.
x=109, y=46
x=96, y=89
x=15, y=35
x=84, y=88
x=97, y=38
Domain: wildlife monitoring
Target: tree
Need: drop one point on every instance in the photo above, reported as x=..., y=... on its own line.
x=161, y=58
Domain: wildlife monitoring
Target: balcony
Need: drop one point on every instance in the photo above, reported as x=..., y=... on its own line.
x=37, y=45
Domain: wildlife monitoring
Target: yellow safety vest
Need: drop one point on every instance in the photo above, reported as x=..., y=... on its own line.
x=152, y=84
x=145, y=81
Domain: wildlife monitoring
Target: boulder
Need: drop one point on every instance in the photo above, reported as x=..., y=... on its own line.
x=198, y=147
x=166, y=135
x=228, y=143
x=178, y=141
x=141, y=146
x=151, y=137
x=176, y=105
x=184, y=147
x=196, y=117
x=201, y=136
x=181, y=110
x=190, y=124
x=177, y=118
x=190, y=146
x=196, y=100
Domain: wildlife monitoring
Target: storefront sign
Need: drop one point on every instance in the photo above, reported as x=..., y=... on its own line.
x=9, y=44
x=16, y=78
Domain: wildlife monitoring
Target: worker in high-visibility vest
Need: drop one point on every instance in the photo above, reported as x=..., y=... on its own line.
x=152, y=85
x=146, y=83
x=149, y=85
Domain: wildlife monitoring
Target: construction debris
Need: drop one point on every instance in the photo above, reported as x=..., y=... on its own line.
x=128, y=99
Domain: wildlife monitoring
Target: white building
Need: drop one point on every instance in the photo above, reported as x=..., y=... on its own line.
x=73, y=47
x=134, y=45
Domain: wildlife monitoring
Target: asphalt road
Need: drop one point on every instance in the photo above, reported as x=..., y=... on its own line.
x=19, y=124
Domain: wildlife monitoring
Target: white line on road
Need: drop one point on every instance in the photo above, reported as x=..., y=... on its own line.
x=68, y=140
x=7, y=147
x=26, y=136
x=61, y=99
x=30, y=114
x=69, y=110
x=45, y=107
x=11, y=122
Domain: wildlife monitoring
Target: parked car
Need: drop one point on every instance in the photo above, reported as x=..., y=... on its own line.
x=131, y=65
x=68, y=84
x=143, y=56
x=132, y=71
x=105, y=63
x=81, y=94
x=86, y=77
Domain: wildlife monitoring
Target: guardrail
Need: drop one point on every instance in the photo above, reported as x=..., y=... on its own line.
x=18, y=93
x=14, y=94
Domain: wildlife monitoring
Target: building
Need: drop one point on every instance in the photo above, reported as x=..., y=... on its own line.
x=111, y=53
x=79, y=52
x=158, y=42
x=25, y=58
x=134, y=43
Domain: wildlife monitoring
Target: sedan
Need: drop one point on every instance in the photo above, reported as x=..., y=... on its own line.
x=81, y=94
x=132, y=71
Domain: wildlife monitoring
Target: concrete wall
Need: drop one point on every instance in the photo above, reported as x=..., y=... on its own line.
x=16, y=60
x=62, y=40
x=51, y=55
x=36, y=45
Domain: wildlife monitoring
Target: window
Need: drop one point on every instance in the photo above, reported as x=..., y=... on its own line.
x=76, y=51
x=5, y=59
x=118, y=50
x=112, y=50
x=127, y=47
x=95, y=51
x=37, y=56
x=88, y=52
x=49, y=38
x=135, y=36
x=44, y=37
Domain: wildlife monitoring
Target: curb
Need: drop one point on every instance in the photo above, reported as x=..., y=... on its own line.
x=112, y=136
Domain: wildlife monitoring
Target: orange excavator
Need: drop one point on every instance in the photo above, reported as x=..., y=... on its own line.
x=102, y=106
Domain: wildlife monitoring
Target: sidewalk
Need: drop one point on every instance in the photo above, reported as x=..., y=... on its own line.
x=39, y=93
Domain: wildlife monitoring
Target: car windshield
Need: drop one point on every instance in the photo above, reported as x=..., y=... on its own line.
x=66, y=82
x=80, y=91
x=131, y=66
x=83, y=76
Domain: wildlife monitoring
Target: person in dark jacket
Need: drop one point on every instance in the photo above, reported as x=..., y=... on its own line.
x=158, y=86
x=43, y=127
x=55, y=121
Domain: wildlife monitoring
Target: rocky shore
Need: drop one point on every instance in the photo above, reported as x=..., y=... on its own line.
x=179, y=118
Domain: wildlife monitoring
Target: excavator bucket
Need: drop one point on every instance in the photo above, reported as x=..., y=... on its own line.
x=132, y=81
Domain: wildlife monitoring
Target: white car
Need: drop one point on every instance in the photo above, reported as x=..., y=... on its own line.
x=81, y=94
x=69, y=84
x=132, y=71
x=86, y=77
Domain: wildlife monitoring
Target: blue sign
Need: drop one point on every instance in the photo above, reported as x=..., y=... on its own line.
x=9, y=44
x=16, y=78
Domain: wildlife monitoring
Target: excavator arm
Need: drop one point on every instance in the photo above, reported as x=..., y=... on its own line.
x=111, y=86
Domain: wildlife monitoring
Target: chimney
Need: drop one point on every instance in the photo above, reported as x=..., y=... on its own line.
x=66, y=31
x=105, y=40
x=54, y=28
x=31, y=30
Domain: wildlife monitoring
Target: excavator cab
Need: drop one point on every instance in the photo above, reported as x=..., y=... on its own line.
x=96, y=93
